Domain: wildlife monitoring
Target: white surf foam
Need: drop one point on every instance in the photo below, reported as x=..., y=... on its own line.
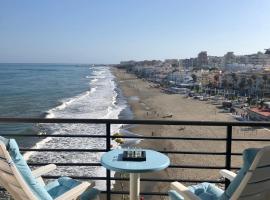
x=94, y=80
x=99, y=102
x=65, y=103
x=38, y=145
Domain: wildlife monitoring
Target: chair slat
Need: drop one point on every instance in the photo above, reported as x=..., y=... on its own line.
x=260, y=196
x=8, y=178
x=264, y=161
x=4, y=166
x=260, y=174
x=19, y=191
x=2, y=153
x=256, y=188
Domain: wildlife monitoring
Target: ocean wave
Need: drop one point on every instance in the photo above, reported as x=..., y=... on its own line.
x=65, y=103
x=93, y=81
x=101, y=101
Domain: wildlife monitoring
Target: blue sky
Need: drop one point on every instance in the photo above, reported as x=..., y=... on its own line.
x=108, y=31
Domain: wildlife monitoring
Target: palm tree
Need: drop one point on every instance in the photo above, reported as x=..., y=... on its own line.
x=225, y=83
x=250, y=83
x=265, y=79
x=216, y=79
x=242, y=84
x=234, y=78
x=261, y=89
x=194, y=77
x=254, y=79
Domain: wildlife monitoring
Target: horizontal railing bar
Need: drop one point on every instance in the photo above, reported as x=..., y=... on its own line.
x=142, y=179
x=104, y=150
x=62, y=135
x=141, y=193
x=64, y=150
x=66, y=164
x=172, y=180
x=122, y=121
x=113, y=137
x=193, y=152
x=125, y=192
x=236, y=154
x=137, y=137
x=98, y=164
x=196, y=167
x=235, y=168
x=169, y=138
x=250, y=140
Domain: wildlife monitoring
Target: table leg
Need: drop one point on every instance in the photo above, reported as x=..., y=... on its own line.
x=134, y=186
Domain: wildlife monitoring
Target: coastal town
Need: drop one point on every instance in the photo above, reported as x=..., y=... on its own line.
x=157, y=92
x=236, y=84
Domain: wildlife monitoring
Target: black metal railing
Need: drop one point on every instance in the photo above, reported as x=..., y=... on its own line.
x=108, y=137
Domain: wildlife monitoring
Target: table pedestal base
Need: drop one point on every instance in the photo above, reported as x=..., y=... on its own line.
x=134, y=186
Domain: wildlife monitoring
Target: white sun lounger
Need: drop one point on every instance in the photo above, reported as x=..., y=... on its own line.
x=23, y=184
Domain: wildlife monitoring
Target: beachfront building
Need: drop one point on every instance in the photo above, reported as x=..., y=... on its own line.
x=202, y=59
x=228, y=62
x=244, y=63
x=215, y=62
x=188, y=63
x=243, y=74
x=178, y=78
x=206, y=77
x=172, y=62
x=229, y=58
x=240, y=67
x=259, y=59
x=242, y=59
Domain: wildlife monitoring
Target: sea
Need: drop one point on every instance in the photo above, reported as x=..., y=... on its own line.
x=61, y=91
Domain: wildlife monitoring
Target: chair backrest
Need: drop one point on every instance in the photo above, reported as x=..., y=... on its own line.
x=11, y=179
x=256, y=183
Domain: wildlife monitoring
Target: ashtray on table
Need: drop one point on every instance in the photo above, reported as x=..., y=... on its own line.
x=134, y=155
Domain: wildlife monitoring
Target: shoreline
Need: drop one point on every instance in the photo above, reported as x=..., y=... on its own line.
x=148, y=102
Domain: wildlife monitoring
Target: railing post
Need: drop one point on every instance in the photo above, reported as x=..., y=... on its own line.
x=108, y=148
x=228, y=152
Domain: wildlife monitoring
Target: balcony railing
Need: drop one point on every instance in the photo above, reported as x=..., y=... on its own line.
x=227, y=153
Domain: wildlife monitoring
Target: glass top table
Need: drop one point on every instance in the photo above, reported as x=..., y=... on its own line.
x=155, y=161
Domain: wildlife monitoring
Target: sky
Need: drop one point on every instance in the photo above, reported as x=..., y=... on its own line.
x=109, y=31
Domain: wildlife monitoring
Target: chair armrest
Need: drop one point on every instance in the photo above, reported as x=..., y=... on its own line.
x=184, y=191
x=228, y=174
x=76, y=191
x=43, y=170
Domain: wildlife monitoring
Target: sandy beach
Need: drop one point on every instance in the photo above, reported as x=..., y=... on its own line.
x=148, y=102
